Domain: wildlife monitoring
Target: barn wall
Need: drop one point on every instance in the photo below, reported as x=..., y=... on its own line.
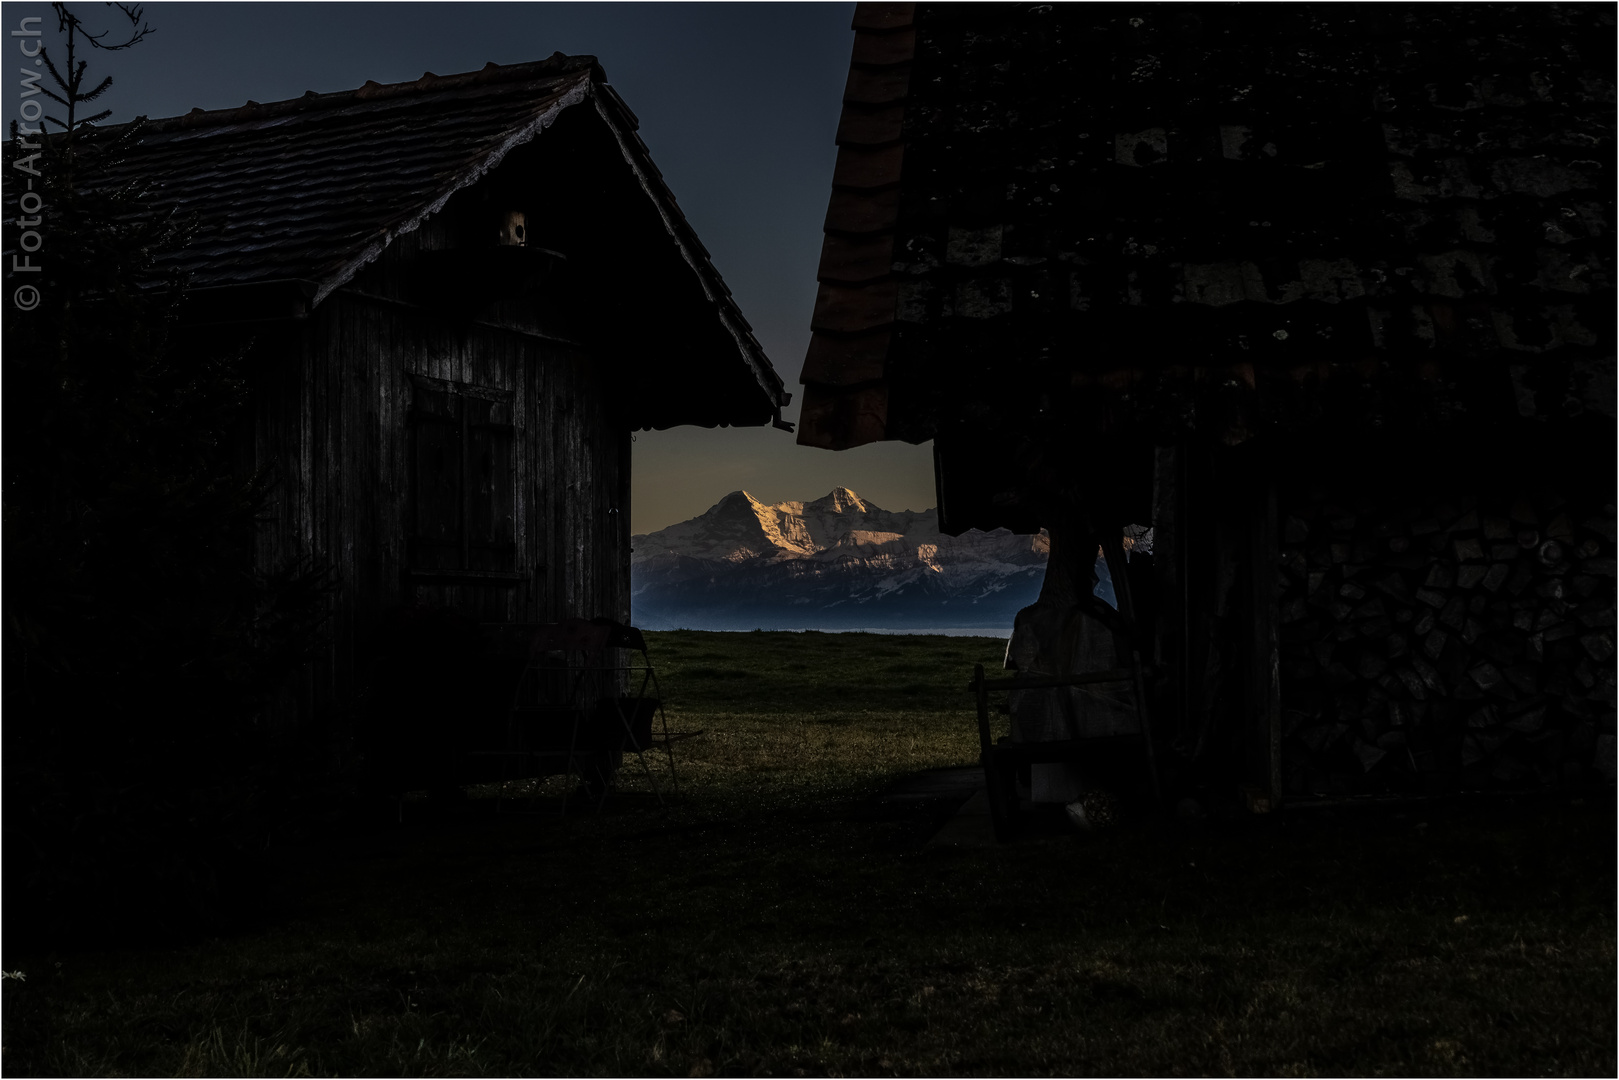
x=333, y=397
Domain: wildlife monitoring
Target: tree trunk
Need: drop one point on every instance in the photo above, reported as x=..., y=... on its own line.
x=1071, y=565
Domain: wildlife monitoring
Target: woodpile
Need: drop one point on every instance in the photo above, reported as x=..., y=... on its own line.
x=1463, y=644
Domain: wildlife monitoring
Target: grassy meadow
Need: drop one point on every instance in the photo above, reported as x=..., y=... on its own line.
x=778, y=919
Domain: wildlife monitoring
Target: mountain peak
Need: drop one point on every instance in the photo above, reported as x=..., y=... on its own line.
x=835, y=561
x=841, y=499
x=738, y=504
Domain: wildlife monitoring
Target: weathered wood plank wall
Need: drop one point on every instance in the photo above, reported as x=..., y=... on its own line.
x=333, y=415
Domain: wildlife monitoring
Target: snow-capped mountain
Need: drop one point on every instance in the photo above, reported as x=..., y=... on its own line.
x=834, y=563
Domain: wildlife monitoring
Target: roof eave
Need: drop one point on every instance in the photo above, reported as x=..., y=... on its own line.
x=845, y=392
x=621, y=122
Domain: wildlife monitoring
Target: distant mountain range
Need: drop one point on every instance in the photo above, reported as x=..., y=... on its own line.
x=836, y=563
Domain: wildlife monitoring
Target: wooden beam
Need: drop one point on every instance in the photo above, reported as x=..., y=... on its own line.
x=1169, y=559
x=1273, y=653
x=1047, y=682
x=1263, y=736
x=1118, y=569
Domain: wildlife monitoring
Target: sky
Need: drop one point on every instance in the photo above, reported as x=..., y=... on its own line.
x=738, y=103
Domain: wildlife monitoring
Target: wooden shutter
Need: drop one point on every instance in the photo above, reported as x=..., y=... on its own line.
x=491, y=532
x=437, y=481
x=463, y=463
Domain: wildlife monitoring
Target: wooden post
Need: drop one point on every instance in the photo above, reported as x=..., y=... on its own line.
x=1000, y=813
x=463, y=429
x=1118, y=569
x=1263, y=761
x=1273, y=652
x=1200, y=565
x=1071, y=562
x=984, y=740
x=1168, y=557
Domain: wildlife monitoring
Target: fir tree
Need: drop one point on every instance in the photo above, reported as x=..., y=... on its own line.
x=140, y=643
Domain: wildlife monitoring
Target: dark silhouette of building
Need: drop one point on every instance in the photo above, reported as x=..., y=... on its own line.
x=462, y=296
x=1323, y=293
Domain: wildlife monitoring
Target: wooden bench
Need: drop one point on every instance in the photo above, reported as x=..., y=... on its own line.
x=1001, y=758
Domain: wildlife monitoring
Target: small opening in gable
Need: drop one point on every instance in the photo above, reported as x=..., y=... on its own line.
x=514, y=229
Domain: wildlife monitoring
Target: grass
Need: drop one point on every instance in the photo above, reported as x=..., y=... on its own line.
x=776, y=920
x=812, y=673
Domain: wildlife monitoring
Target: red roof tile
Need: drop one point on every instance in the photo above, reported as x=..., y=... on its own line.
x=858, y=293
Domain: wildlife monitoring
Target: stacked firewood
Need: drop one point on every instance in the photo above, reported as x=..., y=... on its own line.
x=1459, y=645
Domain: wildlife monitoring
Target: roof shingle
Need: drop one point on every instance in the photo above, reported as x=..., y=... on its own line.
x=311, y=189
x=1227, y=216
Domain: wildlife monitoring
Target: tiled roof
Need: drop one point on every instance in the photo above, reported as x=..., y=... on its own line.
x=312, y=189
x=846, y=396
x=1216, y=218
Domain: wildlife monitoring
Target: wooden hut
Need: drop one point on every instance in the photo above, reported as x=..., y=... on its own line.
x=1324, y=294
x=462, y=295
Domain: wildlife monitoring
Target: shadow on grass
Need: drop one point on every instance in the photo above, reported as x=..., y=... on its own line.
x=779, y=919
